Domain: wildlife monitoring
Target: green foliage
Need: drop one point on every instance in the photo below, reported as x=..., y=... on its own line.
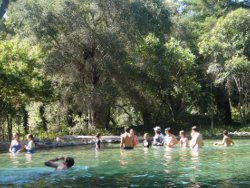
x=78, y=67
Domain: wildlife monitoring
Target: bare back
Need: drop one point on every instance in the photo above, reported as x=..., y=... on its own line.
x=126, y=140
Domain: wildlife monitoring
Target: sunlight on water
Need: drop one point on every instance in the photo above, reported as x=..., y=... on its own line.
x=112, y=167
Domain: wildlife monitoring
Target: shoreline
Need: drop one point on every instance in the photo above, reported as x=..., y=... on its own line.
x=80, y=140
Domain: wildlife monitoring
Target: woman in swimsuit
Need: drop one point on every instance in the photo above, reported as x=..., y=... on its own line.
x=16, y=145
x=30, y=147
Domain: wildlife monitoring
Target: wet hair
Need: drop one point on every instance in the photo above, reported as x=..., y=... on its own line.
x=225, y=132
x=70, y=161
x=98, y=134
x=182, y=132
x=126, y=129
x=194, y=128
x=168, y=130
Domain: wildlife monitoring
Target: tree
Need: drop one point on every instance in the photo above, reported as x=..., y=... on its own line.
x=87, y=45
x=226, y=47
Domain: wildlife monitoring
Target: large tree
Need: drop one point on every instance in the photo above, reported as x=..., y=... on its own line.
x=87, y=46
x=226, y=48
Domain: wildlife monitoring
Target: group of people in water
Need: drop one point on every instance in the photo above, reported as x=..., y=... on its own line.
x=16, y=146
x=128, y=141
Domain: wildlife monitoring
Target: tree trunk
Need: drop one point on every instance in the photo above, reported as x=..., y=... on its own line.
x=43, y=118
x=99, y=117
x=223, y=105
x=3, y=8
x=241, y=108
x=9, y=126
x=69, y=118
x=25, y=121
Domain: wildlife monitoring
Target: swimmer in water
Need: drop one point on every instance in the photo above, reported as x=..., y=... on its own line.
x=146, y=141
x=98, y=141
x=30, y=147
x=16, y=145
x=197, y=140
x=59, y=166
x=170, y=140
x=227, y=141
x=183, y=139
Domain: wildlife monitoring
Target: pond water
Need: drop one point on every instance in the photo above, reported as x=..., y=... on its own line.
x=111, y=167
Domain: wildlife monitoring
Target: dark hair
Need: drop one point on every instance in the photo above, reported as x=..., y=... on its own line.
x=182, y=132
x=98, y=134
x=126, y=129
x=168, y=129
x=194, y=128
x=31, y=136
x=70, y=161
x=225, y=132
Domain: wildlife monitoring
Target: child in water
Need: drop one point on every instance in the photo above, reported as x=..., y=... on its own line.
x=183, y=139
x=227, y=141
x=59, y=166
x=98, y=141
x=30, y=147
x=146, y=141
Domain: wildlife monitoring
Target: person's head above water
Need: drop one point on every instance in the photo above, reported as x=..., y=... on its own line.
x=30, y=137
x=69, y=162
x=146, y=136
x=168, y=130
x=157, y=129
x=15, y=135
x=98, y=135
x=225, y=132
x=195, y=129
x=182, y=133
x=126, y=129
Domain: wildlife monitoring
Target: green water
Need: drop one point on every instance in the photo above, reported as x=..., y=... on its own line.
x=112, y=167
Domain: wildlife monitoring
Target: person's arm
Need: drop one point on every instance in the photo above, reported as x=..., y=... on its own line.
x=122, y=142
x=10, y=146
x=30, y=145
x=52, y=162
x=220, y=143
x=22, y=147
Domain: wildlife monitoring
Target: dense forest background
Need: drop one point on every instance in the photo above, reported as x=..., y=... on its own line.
x=77, y=67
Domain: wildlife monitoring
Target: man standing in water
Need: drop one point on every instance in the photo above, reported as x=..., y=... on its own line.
x=126, y=139
x=170, y=140
x=197, y=140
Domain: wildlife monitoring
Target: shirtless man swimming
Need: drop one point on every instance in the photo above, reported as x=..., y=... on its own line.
x=126, y=139
x=59, y=166
x=197, y=140
x=227, y=141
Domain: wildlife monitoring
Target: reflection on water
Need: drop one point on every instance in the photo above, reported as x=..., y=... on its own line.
x=112, y=167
